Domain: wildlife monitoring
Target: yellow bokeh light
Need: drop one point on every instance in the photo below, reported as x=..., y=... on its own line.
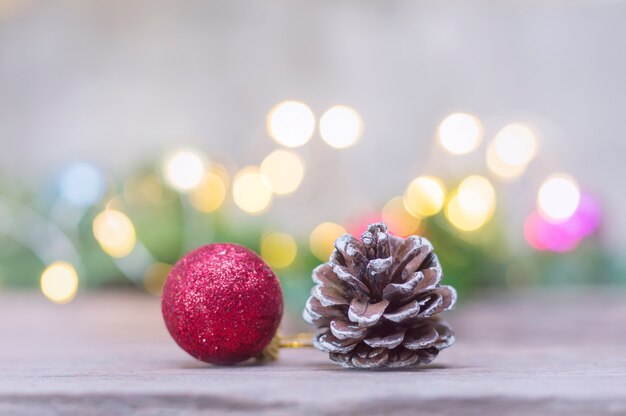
x=184, y=170
x=515, y=145
x=221, y=171
x=278, y=249
x=284, y=170
x=476, y=193
x=323, y=237
x=155, y=276
x=424, y=196
x=59, y=282
x=209, y=195
x=291, y=123
x=399, y=221
x=460, y=133
x=472, y=205
x=341, y=126
x=461, y=218
x=115, y=233
x=251, y=191
x=558, y=197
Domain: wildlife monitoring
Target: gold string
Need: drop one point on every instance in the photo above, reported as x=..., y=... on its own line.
x=303, y=340
x=272, y=351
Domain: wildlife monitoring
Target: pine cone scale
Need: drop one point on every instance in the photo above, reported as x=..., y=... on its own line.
x=324, y=275
x=429, y=281
x=329, y=296
x=377, y=275
x=318, y=315
x=402, y=358
x=430, y=304
x=332, y=344
x=371, y=362
x=411, y=250
x=366, y=314
x=374, y=302
x=417, y=339
x=350, y=253
x=404, y=313
x=397, y=292
x=389, y=341
x=448, y=295
x=343, y=330
x=343, y=274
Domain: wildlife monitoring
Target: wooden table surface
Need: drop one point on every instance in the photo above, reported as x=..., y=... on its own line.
x=108, y=353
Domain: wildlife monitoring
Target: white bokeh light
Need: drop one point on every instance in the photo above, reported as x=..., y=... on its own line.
x=291, y=123
x=501, y=169
x=184, y=170
x=460, y=133
x=515, y=144
x=341, y=126
x=558, y=197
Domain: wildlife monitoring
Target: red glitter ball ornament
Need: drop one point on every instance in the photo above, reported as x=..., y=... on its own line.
x=222, y=303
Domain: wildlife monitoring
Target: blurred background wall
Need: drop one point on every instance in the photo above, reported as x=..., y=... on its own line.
x=117, y=82
x=120, y=83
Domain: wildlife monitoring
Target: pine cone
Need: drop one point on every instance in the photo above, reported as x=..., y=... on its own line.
x=374, y=302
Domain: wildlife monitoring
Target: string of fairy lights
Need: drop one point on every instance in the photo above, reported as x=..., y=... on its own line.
x=564, y=214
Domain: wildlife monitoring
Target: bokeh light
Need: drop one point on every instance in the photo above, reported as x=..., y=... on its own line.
x=472, y=205
x=399, y=221
x=477, y=193
x=501, y=169
x=357, y=224
x=341, y=126
x=545, y=235
x=587, y=217
x=562, y=236
x=558, y=197
x=184, y=170
x=323, y=237
x=424, y=196
x=291, y=123
x=155, y=276
x=515, y=144
x=278, y=249
x=82, y=184
x=462, y=219
x=460, y=133
x=210, y=193
x=284, y=170
x=252, y=191
x=509, y=154
x=115, y=233
x=59, y=282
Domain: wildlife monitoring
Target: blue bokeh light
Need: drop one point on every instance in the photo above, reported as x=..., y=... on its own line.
x=82, y=184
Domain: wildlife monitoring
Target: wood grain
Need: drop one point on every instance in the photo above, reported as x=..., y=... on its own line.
x=108, y=353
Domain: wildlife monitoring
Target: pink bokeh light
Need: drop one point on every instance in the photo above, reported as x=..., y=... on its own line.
x=566, y=235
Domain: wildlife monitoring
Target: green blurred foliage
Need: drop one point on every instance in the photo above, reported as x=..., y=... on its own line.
x=169, y=226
